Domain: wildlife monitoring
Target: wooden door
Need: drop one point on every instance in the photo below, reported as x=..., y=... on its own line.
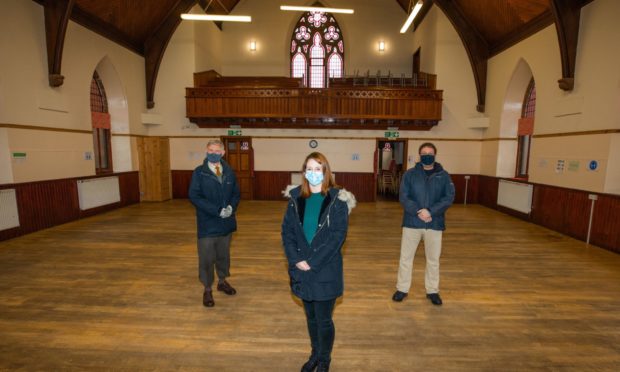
x=155, y=179
x=240, y=156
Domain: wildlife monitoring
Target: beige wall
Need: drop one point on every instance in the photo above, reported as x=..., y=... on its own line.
x=26, y=98
x=50, y=155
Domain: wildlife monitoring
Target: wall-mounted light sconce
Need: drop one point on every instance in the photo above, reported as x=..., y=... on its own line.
x=253, y=46
x=382, y=46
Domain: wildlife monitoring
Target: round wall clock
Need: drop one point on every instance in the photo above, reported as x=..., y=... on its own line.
x=313, y=144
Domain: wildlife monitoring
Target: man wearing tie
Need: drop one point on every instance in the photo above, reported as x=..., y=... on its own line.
x=215, y=194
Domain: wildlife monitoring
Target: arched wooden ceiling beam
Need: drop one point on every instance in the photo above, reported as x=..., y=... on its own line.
x=566, y=14
x=155, y=46
x=476, y=46
x=57, y=14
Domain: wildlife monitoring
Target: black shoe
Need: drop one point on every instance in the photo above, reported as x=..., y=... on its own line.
x=399, y=296
x=323, y=366
x=207, y=299
x=223, y=286
x=311, y=364
x=434, y=297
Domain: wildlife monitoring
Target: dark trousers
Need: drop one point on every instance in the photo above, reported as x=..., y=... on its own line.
x=213, y=253
x=321, y=327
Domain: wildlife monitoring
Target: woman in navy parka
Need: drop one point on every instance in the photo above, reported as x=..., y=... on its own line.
x=313, y=233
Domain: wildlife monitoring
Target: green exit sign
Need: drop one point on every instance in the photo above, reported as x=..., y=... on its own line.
x=234, y=132
x=391, y=134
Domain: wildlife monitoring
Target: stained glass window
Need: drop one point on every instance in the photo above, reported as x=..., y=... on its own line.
x=317, y=49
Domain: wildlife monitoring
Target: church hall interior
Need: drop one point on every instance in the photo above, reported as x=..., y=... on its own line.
x=106, y=109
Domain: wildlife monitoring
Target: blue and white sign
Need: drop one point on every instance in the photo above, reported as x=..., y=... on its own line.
x=593, y=165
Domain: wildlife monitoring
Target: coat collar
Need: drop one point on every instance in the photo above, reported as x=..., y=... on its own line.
x=293, y=191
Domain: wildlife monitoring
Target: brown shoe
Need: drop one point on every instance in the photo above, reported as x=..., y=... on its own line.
x=207, y=299
x=226, y=288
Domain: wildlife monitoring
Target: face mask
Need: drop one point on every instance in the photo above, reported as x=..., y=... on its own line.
x=427, y=159
x=214, y=158
x=315, y=179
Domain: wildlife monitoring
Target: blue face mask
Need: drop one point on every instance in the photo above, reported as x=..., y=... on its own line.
x=214, y=158
x=314, y=178
x=427, y=159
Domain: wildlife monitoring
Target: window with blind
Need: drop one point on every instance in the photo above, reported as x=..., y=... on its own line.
x=100, y=119
x=525, y=130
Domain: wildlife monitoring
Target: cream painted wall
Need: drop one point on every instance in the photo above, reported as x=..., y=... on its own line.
x=50, y=155
x=612, y=181
x=188, y=153
x=272, y=30
x=576, y=152
x=208, y=46
x=457, y=157
x=175, y=74
x=6, y=171
x=27, y=98
x=289, y=154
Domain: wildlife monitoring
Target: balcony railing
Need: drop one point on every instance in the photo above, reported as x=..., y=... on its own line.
x=277, y=102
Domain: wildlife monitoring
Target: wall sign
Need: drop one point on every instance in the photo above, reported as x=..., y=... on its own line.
x=593, y=165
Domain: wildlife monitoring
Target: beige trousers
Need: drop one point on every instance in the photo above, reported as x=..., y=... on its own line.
x=432, y=249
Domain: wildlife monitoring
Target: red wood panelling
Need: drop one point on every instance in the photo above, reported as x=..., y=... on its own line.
x=568, y=211
x=45, y=204
x=269, y=185
x=459, y=188
x=180, y=183
x=606, y=223
x=362, y=185
x=487, y=191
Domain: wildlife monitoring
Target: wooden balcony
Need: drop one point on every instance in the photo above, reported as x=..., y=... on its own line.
x=278, y=102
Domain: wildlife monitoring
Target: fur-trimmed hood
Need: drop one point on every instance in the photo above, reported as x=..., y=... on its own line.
x=344, y=195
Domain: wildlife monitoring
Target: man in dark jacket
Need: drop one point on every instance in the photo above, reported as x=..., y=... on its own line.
x=215, y=194
x=426, y=192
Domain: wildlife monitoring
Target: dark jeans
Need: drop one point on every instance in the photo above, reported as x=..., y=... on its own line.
x=213, y=252
x=321, y=327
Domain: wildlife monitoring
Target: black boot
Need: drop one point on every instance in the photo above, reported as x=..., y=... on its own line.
x=311, y=364
x=323, y=366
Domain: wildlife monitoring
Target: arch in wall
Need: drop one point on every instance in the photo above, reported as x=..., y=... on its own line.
x=119, y=114
x=509, y=118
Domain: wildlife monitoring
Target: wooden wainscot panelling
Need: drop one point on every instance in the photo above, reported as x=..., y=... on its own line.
x=459, y=188
x=487, y=191
x=568, y=211
x=362, y=185
x=180, y=183
x=606, y=222
x=268, y=185
x=560, y=209
x=44, y=204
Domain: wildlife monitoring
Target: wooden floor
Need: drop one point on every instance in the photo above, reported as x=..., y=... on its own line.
x=120, y=291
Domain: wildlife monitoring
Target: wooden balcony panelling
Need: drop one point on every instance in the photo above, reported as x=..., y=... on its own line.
x=350, y=107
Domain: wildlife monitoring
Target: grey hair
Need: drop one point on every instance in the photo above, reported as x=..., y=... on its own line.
x=216, y=142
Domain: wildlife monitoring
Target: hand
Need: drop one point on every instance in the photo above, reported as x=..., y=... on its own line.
x=303, y=266
x=425, y=215
x=225, y=213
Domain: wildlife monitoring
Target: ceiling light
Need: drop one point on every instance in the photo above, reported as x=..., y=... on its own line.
x=316, y=9
x=412, y=15
x=216, y=17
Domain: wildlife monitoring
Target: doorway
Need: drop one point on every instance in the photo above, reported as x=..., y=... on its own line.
x=390, y=157
x=240, y=156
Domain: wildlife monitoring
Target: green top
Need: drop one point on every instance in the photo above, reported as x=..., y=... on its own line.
x=311, y=215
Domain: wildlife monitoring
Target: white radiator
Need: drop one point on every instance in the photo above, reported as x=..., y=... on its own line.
x=515, y=195
x=9, y=217
x=96, y=192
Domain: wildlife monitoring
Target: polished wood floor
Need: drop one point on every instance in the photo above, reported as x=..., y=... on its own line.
x=119, y=291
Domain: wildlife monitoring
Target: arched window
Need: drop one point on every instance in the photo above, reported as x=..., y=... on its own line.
x=526, y=129
x=317, y=49
x=100, y=119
